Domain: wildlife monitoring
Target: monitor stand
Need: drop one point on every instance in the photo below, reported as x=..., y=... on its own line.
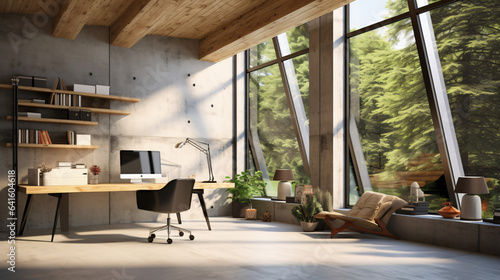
x=136, y=181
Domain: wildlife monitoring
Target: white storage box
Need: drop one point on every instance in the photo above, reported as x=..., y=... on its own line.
x=65, y=176
x=102, y=89
x=83, y=88
x=83, y=139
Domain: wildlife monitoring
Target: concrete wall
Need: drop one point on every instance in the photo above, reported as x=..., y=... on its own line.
x=180, y=97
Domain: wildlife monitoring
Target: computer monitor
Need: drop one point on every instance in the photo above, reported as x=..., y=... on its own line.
x=138, y=165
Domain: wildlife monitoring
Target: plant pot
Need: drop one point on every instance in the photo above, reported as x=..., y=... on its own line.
x=308, y=227
x=239, y=209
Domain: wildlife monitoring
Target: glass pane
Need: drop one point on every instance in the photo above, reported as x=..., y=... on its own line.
x=262, y=53
x=467, y=39
x=270, y=113
x=390, y=107
x=354, y=192
x=422, y=3
x=294, y=40
x=363, y=13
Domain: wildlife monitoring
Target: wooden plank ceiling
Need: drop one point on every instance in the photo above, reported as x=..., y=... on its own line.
x=223, y=27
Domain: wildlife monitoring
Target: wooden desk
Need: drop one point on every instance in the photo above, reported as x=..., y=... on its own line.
x=62, y=192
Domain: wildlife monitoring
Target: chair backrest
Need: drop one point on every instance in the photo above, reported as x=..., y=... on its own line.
x=174, y=197
x=372, y=205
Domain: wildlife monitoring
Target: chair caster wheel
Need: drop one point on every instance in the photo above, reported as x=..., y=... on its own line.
x=169, y=241
x=151, y=238
x=181, y=233
x=191, y=237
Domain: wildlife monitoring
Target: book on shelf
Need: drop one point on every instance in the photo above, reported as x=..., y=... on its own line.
x=64, y=99
x=71, y=137
x=38, y=101
x=30, y=115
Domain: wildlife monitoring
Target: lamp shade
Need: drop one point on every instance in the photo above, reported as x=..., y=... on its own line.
x=471, y=185
x=283, y=175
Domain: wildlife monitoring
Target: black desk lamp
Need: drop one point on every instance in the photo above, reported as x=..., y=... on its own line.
x=196, y=144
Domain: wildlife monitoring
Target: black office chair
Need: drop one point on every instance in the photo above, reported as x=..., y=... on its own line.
x=175, y=197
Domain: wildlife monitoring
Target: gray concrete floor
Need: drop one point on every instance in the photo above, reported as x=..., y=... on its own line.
x=235, y=249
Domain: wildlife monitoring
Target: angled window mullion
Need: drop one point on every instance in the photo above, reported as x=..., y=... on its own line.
x=291, y=88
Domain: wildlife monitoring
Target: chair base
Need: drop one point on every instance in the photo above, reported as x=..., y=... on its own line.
x=350, y=225
x=169, y=228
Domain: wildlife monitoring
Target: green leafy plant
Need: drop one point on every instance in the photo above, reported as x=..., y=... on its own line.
x=246, y=185
x=305, y=212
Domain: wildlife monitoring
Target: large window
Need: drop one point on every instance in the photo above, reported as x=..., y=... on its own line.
x=396, y=101
x=390, y=106
x=468, y=42
x=278, y=93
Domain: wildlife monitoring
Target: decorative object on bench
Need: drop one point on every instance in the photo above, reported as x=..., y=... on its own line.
x=251, y=214
x=266, y=217
x=448, y=211
x=304, y=213
x=471, y=203
x=284, y=186
x=416, y=194
x=371, y=214
x=496, y=216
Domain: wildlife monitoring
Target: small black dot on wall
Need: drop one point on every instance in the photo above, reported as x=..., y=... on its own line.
x=212, y=105
x=189, y=75
x=189, y=121
x=134, y=78
x=194, y=85
x=90, y=74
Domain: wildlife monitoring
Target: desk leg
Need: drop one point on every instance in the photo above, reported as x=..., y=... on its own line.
x=64, y=214
x=203, y=207
x=57, y=212
x=25, y=215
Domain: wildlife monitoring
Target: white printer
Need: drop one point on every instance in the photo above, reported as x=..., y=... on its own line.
x=58, y=177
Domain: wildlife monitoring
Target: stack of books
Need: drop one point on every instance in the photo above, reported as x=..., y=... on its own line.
x=415, y=208
x=33, y=136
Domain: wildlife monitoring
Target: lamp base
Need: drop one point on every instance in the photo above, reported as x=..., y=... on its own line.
x=471, y=208
x=284, y=190
x=209, y=181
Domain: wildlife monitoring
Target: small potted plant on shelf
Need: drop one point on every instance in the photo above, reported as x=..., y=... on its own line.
x=246, y=185
x=304, y=213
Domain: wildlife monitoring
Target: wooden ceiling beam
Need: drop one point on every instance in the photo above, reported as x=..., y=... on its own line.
x=262, y=23
x=72, y=17
x=140, y=18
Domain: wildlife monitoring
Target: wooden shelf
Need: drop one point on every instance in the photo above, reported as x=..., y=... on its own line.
x=93, y=95
x=55, y=146
x=93, y=110
x=59, y=121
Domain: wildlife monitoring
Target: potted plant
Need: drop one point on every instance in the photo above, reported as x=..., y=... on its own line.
x=246, y=185
x=304, y=213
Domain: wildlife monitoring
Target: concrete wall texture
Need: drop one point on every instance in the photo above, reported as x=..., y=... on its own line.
x=180, y=97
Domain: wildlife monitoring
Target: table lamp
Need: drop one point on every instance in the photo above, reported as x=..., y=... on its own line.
x=471, y=203
x=284, y=187
x=196, y=144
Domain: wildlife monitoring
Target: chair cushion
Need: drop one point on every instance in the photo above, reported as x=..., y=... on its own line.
x=368, y=206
